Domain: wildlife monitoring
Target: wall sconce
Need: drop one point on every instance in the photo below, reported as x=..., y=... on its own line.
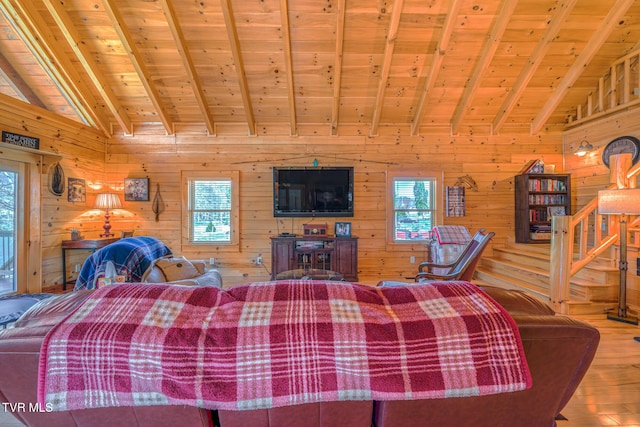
x=106, y=201
x=623, y=202
x=584, y=147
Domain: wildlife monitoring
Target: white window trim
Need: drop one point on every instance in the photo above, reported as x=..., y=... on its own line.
x=234, y=243
x=394, y=245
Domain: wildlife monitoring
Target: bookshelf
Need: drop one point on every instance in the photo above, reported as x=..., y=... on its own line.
x=537, y=198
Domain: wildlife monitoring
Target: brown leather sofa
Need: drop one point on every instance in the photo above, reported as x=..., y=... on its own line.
x=559, y=351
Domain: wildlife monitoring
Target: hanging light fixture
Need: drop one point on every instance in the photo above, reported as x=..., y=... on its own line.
x=584, y=147
x=107, y=201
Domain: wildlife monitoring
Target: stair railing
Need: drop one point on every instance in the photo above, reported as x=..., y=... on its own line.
x=575, y=242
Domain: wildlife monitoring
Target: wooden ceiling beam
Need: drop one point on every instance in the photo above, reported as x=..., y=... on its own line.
x=337, y=67
x=232, y=34
x=18, y=84
x=392, y=33
x=438, y=58
x=486, y=56
x=595, y=43
x=65, y=23
x=288, y=57
x=31, y=27
x=117, y=20
x=192, y=74
x=536, y=58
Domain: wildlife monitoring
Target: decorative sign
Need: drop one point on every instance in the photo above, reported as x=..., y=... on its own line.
x=21, y=140
x=455, y=201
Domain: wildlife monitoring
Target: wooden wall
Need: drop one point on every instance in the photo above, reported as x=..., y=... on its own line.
x=82, y=150
x=589, y=174
x=492, y=161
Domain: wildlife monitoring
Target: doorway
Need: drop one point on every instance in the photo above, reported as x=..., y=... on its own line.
x=11, y=202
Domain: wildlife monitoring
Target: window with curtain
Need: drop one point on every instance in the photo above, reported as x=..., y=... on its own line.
x=211, y=208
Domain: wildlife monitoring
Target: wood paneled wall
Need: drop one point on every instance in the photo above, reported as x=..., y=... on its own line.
x=589, y=174
x=492, y=161
x=82, y=150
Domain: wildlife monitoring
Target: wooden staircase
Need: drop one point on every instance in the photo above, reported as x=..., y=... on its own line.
x=593, y=290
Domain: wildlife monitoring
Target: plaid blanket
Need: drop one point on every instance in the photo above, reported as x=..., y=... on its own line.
x=452, y=234
x=279, y=343
x=131, y=257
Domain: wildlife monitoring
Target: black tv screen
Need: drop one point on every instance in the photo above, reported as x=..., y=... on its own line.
x=311, y=192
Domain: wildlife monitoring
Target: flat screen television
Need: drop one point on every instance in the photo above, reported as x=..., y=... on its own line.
x=312, y=192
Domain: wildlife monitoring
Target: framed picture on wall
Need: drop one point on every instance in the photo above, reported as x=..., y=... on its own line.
x=456, y=205
x=136, y=189
x=77, y=190
x=343, y=229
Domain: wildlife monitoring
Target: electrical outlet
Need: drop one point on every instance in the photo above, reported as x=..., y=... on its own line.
x=212, y=261
x=412, y=259
x=259, y=260
x=76, y=268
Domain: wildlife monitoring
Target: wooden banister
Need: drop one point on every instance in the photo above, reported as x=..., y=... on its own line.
x=574, y=232
x=565, y=261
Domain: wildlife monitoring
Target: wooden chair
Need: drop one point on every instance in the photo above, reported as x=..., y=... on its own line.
x=463, y=267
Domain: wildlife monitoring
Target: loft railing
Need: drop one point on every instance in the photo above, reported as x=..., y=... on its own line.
x=617, y=90
x=579, y=239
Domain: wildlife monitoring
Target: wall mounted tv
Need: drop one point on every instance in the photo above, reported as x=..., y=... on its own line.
x=312, y=192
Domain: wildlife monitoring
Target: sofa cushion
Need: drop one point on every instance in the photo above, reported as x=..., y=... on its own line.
x=177, y=268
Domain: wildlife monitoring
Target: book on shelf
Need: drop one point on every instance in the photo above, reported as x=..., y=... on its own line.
x=549, y=184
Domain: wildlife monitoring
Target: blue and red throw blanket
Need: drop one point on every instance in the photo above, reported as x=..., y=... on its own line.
x=280, y=343
x=131, y=257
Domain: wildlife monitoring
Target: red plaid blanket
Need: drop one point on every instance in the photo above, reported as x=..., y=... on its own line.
x=279, y=343
x=452, y=234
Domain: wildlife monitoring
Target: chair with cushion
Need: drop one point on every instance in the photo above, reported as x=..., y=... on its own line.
x=460, y=269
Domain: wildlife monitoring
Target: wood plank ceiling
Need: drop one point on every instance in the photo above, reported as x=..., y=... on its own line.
x=417, y=65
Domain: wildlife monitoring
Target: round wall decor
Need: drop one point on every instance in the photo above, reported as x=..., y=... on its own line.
x=56, y=179
x=621, y=145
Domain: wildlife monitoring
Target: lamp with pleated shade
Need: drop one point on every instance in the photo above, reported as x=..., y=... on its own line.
x=106, y=202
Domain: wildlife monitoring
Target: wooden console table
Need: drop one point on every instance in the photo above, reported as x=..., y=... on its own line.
x=339, y=254
x=86, y=245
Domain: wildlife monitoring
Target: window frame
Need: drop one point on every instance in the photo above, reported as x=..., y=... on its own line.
x=186, y=178
x=392, y=177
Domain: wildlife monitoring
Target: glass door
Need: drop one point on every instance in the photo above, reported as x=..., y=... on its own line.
x=9, y=225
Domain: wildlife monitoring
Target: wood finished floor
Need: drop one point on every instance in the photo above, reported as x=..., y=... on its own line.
x=609, y=395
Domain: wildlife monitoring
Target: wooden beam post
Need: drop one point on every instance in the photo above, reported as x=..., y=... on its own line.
x=561, y=251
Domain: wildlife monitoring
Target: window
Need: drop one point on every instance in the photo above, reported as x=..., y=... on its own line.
x=211, y=208
x=413, y=209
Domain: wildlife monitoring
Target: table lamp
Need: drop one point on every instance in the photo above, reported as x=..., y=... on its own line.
x=107, y=201
x=623, y=202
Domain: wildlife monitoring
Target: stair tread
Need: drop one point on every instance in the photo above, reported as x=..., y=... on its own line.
x=596, y=264
x=574, y=280
x=529, y=272
x=517, y=265
x=519, y=283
